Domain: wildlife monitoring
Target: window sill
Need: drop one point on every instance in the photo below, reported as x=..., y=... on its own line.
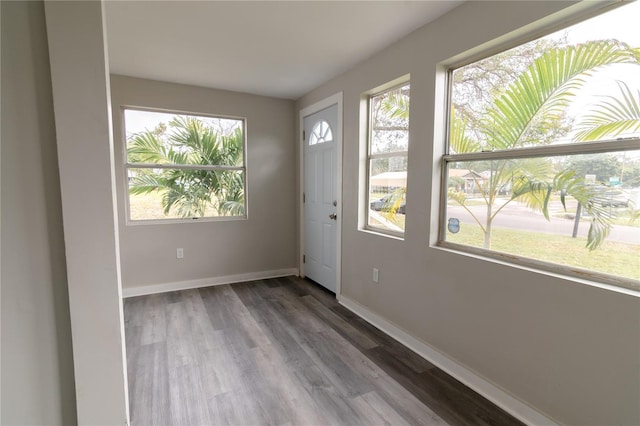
x=181, y=221
x=580, y=276
x=381, y=233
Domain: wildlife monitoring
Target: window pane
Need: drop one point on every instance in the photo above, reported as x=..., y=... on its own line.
x=387, y=193
x=581, y=84
x=390, y=121
x=165, y=138
x=321, y=133
x=500, y=205
x=176, y=193
x=578, y=84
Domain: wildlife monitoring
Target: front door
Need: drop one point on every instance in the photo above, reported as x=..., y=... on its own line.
x=320, y=202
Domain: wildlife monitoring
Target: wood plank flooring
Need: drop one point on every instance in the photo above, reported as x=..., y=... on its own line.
x=280, y=352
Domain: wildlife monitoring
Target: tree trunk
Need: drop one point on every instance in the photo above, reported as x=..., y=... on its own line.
x=576, y=223
x=487, y=229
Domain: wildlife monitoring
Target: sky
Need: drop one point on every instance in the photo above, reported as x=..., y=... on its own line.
x=138, y=120
x=622, y=23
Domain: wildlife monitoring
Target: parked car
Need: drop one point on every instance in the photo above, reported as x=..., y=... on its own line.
x=386, y=203
x=378, y=204
x=611, y=197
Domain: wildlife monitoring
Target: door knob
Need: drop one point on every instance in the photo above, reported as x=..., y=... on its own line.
x=333, y=216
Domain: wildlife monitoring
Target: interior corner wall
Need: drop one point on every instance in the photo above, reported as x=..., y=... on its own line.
x=264, y=243
x=568, y=349
x=37, y=361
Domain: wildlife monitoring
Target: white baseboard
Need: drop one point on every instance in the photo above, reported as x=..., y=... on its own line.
x=493, y=393
x=205, y=282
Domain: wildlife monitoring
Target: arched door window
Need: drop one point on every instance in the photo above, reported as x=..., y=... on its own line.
x=320, y=133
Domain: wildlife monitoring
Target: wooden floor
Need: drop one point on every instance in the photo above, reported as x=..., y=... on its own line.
x=282, y=352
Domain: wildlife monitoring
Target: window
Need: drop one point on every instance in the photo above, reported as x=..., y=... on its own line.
x=184, y=167
x=387, y=159
x=543, y=152
x=321, y=133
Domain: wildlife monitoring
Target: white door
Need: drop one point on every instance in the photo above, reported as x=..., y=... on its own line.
x=320, y=200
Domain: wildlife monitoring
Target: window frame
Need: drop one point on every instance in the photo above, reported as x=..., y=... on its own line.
x=614, y=145
x=396, y=84
x=128, y=165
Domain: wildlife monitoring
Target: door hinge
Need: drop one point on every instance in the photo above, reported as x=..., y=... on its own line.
x=304, y=135
x=304, y=258
x=304, y=197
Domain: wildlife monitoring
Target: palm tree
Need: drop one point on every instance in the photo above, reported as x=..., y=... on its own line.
x=186, y=187
x=540, y=94
x=612, y=117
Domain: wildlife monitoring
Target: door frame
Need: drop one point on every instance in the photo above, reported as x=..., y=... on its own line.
x=304, y=112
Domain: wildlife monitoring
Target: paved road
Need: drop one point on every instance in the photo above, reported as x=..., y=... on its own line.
x=518, y=216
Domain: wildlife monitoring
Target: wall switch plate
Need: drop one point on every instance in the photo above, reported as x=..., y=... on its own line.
x=179, y=253
x=376, y=275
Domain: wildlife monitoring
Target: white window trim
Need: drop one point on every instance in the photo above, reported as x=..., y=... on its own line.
x=563, y=20
x=376, y=230
x=127, y=165
x=603, y=146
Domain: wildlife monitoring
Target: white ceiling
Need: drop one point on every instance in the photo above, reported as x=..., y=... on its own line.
x=274, y=48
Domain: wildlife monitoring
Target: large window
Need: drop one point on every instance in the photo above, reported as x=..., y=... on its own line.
x=184, y=167
x=388, y=143
x=543, y=152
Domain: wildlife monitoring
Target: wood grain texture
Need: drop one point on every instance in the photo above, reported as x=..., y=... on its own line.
x=280, y=351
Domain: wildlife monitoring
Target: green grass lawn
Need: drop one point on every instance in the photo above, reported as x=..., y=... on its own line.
x=149, y=206
x=612, y=257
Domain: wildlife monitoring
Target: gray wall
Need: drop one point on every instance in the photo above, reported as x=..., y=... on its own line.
x=569, y=349
x=264, y=242
x=37, y=364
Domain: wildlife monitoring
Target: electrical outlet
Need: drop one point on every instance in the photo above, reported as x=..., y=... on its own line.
x=180, y=253
x=376, y=275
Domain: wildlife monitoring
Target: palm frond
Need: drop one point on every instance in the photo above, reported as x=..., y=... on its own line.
x=537, y=193
x=534, y=193
x=396, y=104
x=177, y=157
x=546, y=88
x=458, y=196
x=459, y=141
x=146, y=147
x=392, y=206
x=634, y=212
x=187, y=192
x=230, y=192
x=613, y=117
x=185, y=202
x=233, y=148
x=145, y=183
x=233, y=207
